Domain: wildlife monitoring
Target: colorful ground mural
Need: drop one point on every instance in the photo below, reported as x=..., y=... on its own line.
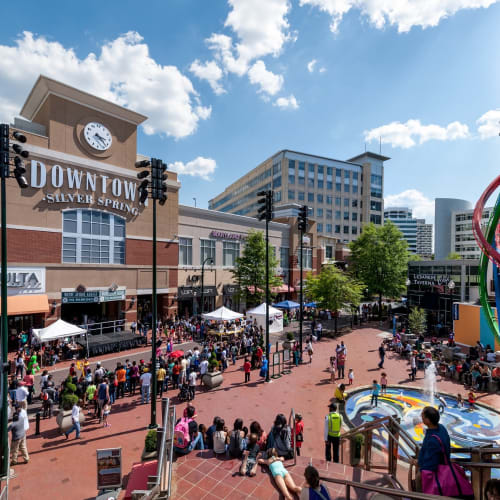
x=466, y=427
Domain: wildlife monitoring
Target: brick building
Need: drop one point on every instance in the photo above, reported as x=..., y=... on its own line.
x=79, y=242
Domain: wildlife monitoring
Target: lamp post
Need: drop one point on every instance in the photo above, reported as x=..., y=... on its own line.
x=302, y=226
x=451, y=286
x=211, y=262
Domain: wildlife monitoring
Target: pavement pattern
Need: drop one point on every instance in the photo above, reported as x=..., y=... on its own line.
x=61, y=469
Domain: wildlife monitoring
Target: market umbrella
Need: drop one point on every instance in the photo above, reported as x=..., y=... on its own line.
x=176, y=354
x=311, y=304
x=287, y=304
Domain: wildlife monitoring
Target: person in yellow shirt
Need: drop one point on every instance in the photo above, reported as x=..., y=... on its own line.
x=340, y=396
x=160, y=380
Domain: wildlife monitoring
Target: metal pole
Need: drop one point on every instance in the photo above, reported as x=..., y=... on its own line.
x=268, y=345
x=202, y=287
x=301, y=297
x=153, y=424
x=5, y=324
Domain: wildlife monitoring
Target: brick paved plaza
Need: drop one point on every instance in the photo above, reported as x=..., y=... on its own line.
x=61, y=469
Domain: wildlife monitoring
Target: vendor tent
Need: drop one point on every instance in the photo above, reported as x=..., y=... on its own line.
x=58, y=330
x=259, y=316
x=222, y=314
x=287, y=304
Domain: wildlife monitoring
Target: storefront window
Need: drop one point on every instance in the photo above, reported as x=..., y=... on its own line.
x=93, y=237
x=185, y=252
x=284, y=257
x=230, y=252
x=307, y=253
x=207, y=248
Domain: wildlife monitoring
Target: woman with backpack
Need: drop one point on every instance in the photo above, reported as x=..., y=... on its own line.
x=187, y=436
x=237, y=439
x=280, y=437
x=314, y=490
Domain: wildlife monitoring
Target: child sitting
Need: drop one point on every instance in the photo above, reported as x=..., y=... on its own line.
x=250, y=456
x=283, y=479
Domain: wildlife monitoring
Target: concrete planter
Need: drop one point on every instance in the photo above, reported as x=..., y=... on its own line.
x=64, y=420
x=212, y=379
x=146, y=456
x=288, y=344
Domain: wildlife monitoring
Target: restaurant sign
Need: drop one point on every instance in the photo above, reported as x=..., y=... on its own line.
x=227, y=236
x=430, y=279
x=188, y=292
x=25, y=280
x=93, y=296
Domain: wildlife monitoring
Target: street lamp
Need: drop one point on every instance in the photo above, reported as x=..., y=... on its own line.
x=211, y=262
x=451, y=286
x=302, y=226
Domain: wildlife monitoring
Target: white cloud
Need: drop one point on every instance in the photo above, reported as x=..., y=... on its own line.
x=401, y=13
x=489, y=124
x=310, y=65
x=322, y=69
x=268, y=82
x=210, y=72
x=405, y=135
x=123, y=72
x=286, y=102
x=222, y=45
x=423, y=207
x=199, y=167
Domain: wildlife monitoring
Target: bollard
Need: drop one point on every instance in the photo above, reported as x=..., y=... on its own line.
x=37, y=424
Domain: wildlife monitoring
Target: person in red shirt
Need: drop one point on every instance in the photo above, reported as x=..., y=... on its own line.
x=299, y=432
x=247, y=367
x=259, y=354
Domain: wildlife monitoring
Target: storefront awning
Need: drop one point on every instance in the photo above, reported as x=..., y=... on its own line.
x=282, y=289
x=18, y=305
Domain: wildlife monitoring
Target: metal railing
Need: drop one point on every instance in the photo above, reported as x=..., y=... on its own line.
x=291, y=418
x=104, y=327
x=388, y=492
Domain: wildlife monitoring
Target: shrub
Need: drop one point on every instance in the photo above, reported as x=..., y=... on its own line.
x=150, y=441
x=213, y=364
x=290, y=336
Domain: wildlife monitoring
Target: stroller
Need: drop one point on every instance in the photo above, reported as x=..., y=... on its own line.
x=184, y=393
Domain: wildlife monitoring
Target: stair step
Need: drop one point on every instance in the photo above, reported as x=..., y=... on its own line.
x=200, y=473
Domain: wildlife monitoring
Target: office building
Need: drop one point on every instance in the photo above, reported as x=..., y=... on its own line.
x=444, y=208
x=424, y=239
x=402, y=218
x=341, y=195
x=462, y=237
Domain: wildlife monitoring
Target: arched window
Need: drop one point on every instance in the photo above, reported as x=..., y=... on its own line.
x=93, y=237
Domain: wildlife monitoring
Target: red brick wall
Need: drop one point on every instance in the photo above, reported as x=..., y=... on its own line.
x=33, y=246
x=139, y=252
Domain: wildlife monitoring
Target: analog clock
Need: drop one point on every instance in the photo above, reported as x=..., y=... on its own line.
x=98, y=136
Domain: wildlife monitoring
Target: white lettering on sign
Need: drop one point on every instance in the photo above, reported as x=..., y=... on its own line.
x=75, y=180
x=25, y=280
x=227, y=236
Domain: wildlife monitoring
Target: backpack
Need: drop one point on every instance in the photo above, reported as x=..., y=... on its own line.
x=283, y=442
x=181, y=433
x=236, y=444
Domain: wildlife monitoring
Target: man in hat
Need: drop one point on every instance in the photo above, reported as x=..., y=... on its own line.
x=145, y=386
x=333, y=424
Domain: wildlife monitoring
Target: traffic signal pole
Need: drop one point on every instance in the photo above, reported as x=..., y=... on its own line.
x=4, y=366
x=301, y=297
x=153, y=423
x=268, y=345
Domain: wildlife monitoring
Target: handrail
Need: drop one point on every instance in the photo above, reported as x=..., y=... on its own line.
x=294, y=436
x=381, y=489
x=163, y=434
x=171, y=453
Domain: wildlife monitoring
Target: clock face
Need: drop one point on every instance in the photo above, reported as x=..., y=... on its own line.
x=98, y=136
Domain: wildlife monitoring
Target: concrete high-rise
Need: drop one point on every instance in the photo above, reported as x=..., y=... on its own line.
x=402, y=218
x=341, y=195
x=444, y=208
x=424, y=239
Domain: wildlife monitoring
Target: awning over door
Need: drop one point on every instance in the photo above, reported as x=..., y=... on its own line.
x=18, y=305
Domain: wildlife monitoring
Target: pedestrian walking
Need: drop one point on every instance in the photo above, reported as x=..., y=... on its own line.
x=375, y=393
x=75, y=419
x=246, y=368
x=383, y=383
x=192, y=384
x=341, y=364
x=145, y=386
x=310, y=351
x=381, y=353
x=18, y=443
x=333, y=424
x=102, y=397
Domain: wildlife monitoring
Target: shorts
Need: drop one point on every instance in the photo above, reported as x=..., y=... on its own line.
x=278, y=469
x=250, y=464
x=384, y=387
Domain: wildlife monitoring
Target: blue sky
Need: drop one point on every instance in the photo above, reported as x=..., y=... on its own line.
x=228, y=83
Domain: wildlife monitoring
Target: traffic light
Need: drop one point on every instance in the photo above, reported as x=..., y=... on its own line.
x=158, y=181
x=4, y=150
x=143, y=186
x=303, y=216
x=5, y=155
x=265, y=211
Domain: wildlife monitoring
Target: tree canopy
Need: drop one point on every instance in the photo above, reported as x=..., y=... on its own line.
x=250, y=269
x=379, y=258
x=453, y=256
x=333, y=289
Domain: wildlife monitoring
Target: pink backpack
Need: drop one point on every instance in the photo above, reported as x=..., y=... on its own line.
x=181, y=433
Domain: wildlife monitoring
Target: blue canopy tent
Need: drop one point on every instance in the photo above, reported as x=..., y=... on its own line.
x=287, y=304
x=310, y=304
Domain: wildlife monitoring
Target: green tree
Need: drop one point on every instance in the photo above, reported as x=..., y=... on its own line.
x=417, y=321
x=453, y=256
x=414, y=257
x=334, y=289
x=250, y=269
x=379, y=259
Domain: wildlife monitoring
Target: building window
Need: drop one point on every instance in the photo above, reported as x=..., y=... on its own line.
x=277, y=196
x=338, y=187
x=354, y=216
x=207, y=249
x=354, y=203
x=185, y=252
x=230, y=252
x=277, y=182
x=302, y=170
x=329, y=252
x=337, y=214
x=354, y=230
x=346, y=215
x=284, y=260
x=376, y=205
x=93, y=237
x=320, y=227
x=329, y=199
x=291, y=178
x=301, y=196
x=307, y=253
x=346, y=229
x=310, y=197
x=319, y=198
x=337, y=229
x=338, y=201
x=319, y=212
x=291, y=195
x=346, y=202
x=329, y=228
x=329, y=213
x=376, y=219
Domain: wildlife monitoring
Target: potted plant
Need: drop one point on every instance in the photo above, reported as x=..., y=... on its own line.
x=68, y=399
x=356, y=448
x=213, y=378
x=150, y=451
x=288, y=343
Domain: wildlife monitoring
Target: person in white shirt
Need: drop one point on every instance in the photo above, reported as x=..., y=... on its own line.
x=75, y=418
x=203, y=369
x=21, y=392
x=23, y=415
x=491, y=357
x=145, y=386
x=192, y=384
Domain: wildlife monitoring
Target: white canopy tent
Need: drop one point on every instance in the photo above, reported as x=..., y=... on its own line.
x=259, y=316
x=222, y=314
x=58, y=330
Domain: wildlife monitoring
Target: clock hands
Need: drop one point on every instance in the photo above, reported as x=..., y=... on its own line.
x=100, y=139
